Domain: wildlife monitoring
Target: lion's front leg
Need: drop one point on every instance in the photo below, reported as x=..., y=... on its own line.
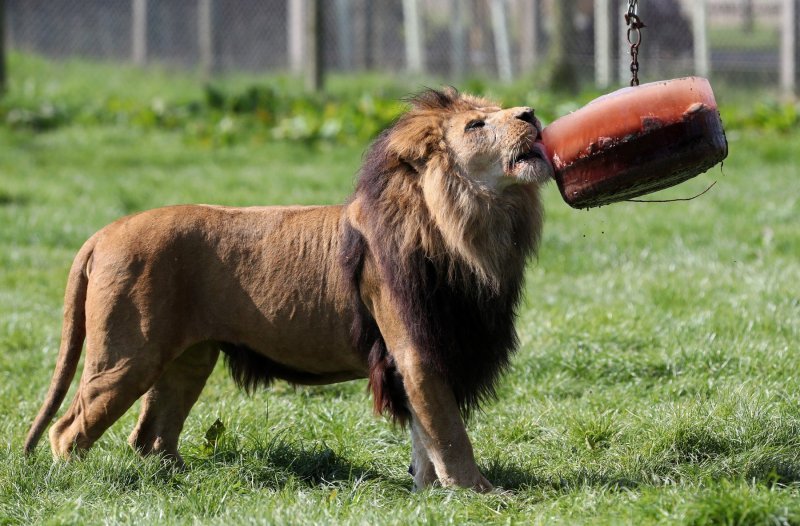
x=438, y=425
x=421, y=468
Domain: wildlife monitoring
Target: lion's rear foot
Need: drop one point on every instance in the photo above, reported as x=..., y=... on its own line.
x=167, y=404
x=66, y=441
x=147, y=445
x=102, y=397
x=169, y=457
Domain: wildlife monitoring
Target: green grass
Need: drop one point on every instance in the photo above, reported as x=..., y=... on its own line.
x=656, y=381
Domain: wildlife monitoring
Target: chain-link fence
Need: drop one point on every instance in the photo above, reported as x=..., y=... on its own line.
x=740, y=40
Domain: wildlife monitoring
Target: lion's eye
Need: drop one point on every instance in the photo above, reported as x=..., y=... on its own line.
x=473, y=125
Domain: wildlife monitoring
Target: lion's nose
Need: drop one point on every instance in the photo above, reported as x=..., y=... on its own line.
x=525, y=114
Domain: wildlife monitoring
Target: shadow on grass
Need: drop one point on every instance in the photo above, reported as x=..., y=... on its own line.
x=278, y=464
x=514, y=478
x=316, y=465
x=8, y=199
x=769, y=472
x=774, y=472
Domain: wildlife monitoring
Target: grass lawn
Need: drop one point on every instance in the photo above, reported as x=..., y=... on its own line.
x=656, y=381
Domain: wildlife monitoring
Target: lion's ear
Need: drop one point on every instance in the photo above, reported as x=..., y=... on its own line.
x=415, y=140
x=413, y=157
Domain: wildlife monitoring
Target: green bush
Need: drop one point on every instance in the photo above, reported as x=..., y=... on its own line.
x=43, y=96
x=222, y=116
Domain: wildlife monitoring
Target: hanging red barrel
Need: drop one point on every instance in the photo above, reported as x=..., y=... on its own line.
x=635, y=141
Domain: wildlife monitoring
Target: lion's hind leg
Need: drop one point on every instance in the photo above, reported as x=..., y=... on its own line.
x=108, y=387
x=167, y=403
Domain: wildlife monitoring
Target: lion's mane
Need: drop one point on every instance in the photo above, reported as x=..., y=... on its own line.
x=452, y=253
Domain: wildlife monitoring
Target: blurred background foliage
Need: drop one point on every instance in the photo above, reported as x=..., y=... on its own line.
x=352, y=110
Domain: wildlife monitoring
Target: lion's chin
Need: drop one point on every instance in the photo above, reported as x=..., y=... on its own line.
x=531, y=167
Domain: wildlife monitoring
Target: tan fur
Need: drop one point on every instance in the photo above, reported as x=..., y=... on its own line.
x=155, y=292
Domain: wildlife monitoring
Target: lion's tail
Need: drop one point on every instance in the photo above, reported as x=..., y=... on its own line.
x=73, y=333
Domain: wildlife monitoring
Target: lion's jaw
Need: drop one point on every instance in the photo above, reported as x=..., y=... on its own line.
x=531, y=166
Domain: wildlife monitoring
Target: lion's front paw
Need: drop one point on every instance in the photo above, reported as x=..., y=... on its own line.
x=483, y=485
x=424, y=475
x=477, y=483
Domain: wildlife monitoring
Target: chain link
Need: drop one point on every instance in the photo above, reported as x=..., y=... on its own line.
x=635, y=26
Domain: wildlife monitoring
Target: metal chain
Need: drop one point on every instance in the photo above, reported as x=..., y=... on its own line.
x=635, y=25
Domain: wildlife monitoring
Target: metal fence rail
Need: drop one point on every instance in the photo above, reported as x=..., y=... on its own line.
x=739, y=40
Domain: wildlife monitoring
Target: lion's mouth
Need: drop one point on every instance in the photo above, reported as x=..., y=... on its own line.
x=532, y=158
x=534, y=153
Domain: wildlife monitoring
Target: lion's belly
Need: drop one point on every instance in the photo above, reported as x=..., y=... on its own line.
x=322, y=351
x=303, y=326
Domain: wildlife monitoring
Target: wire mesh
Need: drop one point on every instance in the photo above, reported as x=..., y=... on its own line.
x=459, y=38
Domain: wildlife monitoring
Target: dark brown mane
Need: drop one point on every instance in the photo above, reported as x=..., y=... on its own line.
x=461, y=323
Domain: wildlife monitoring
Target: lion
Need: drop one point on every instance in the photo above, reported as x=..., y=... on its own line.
x=413, y=284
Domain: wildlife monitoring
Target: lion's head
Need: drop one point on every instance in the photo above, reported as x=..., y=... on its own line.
x=472, y=138
x=447, y=207
x=458, y=178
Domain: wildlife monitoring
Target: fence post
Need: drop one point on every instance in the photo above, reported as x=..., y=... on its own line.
x=415, y=60
x=563, y=74
x=139, y=32
x=531, y=24
x=313, y=45
x=788, y=46
x=205, y=36
x=748, y=20
x=369, y=34
x=623, y=53
x=501, y=44
x=344, y=30
x=602, y=43
x=458, y=42
x=700, y=30
x=2, y=47
x=295, y=32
